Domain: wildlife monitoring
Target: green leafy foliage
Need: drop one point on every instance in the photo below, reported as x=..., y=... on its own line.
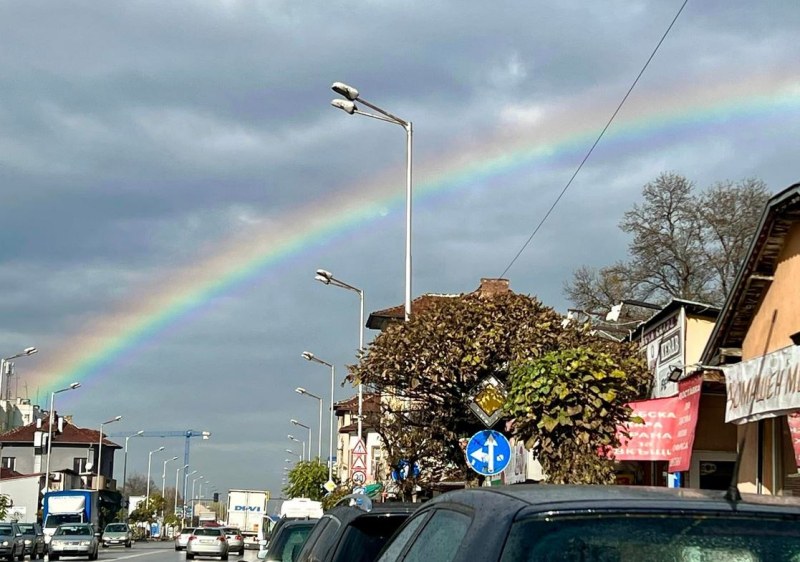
x=567, y=406
x=306, y=479
x=426, y=367
x=148, y=511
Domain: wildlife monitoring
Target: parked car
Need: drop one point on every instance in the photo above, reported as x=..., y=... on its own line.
x=235, y=540
x=207, y=541
x=609, y=523
x=354, y=533
x=182, y=539
x=33, y=538
x=74, y=539
x=117, y=534
x=12, y=544
x=287, y=539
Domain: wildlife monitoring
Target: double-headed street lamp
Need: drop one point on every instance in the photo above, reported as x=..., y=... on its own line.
x=297, y=423
x=5, y=376
x=149, y=461
x=125, y=458
x=73, y=386
x=327, y=277
x=100, y=449
x=303, y=443
x=311, y=357
x=304, y=392
x=348, y=104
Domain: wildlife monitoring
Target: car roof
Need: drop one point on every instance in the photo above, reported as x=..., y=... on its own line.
x=536, y=498
x=346, y=513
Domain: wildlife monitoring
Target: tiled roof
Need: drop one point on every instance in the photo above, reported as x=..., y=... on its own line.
x=71, y=435
x=353, y=428
x=6, y=473
x=372, y=403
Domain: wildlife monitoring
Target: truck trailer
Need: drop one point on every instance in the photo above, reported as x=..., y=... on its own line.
x=246, y=509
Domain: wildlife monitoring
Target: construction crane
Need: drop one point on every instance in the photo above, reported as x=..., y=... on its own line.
x=186, y=433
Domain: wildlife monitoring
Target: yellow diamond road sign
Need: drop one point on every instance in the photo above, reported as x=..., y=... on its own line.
x=329, y=486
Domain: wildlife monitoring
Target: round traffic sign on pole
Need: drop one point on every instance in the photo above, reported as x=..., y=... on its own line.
x=488, y=452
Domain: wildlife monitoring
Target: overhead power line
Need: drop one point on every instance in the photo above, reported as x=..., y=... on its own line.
x=596, y=142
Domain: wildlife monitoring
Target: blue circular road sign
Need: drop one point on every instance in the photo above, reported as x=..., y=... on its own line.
x=488, y=452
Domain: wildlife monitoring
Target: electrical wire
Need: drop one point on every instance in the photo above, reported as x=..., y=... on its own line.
x=596, y=142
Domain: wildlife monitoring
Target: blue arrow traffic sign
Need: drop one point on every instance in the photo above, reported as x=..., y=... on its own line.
x=488, y=452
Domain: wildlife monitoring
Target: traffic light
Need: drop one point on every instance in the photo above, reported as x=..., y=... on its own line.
x=216, y=497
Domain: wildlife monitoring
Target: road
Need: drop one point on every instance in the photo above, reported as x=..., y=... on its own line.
x=157, y=552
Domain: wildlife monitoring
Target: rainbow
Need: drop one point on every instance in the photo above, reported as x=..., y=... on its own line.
x=557, y=140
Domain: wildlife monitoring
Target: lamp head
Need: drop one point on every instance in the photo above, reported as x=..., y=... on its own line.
x=139, y=433
x=74, y=385
x=30, y=350
x=173, y=459
x=344, y=90
x=300, y=390
x=323, y=279
x=308, y=356
x=344, y=105
x=291, y=437
x=160, y=449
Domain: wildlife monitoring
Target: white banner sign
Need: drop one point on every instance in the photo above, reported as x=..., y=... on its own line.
x=765, y=387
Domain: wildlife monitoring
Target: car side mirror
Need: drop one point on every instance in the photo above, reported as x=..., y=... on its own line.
x=262, y=554
x=98, y=535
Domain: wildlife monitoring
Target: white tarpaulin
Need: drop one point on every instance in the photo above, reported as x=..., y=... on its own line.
x=764, y=387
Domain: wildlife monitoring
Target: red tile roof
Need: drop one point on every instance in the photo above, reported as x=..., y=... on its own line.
x=372, y=403
x=71, y=435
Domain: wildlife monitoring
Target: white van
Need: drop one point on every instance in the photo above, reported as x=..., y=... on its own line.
x=301, y=507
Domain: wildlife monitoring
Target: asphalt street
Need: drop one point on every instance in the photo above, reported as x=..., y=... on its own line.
x=158, y=552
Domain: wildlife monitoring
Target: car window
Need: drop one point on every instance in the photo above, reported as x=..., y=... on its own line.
x=325, y=539
x=27, y=529
x=117, y=528
x=396, y=545
x=440, y=538
x=363, y=539
x=286, y=545
x=316, y=532
x=188, y=531
x=663, y=538
x=207, y=532
x=6, y=531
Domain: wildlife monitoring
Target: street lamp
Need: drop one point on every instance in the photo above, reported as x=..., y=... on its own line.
x=328, y=278
x=294, y=453
x=297, y=423
x=100, y=449
x=348, y=105
x=194, y=505
x=307, y=355
x=164, y=476
x=304, y=392
x=185, y=487
x=50, y=430
x=149, y=461
x=125, y=458
x=295, y=439
x=3, y=375
x=177, y=474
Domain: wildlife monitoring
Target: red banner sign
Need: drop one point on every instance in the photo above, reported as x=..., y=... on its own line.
x=668, y=430
x=794, y=431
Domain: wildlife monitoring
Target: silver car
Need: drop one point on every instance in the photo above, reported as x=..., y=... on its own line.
x=235, y=540
x=207, y=541
x=12, y=545
x=74, y=539
x=182, y=539
x=117, y=534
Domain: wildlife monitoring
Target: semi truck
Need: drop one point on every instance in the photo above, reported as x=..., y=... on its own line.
x=246, y=509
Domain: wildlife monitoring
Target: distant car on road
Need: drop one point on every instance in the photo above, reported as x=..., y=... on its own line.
x=182, y=539
x=74, y=539
x=11, y=543
x=354, y=533
x=207, y=541
x=33, y=538
x=524, y=523
x=235, y=540
x=117, y=534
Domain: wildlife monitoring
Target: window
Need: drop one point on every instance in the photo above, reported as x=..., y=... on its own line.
x=79, y=465
x=440, y=538
x=10, y=463
x=395, y=547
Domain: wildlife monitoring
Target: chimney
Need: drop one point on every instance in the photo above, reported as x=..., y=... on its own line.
x=493, y=287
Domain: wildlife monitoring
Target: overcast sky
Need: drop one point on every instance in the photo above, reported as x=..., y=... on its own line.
x=172, y=175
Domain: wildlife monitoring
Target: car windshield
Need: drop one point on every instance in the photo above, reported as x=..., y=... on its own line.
x=662, y=538
x=26, y=528
x=6, y=531
x=289, y=541
x=364, y=537
x=207, y=532
x=117, y=528
x=73, y=530
x=231, y=531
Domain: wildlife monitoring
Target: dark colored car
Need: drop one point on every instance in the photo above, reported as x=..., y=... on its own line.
x=11, y=544
x=33, y=537
x=287, y=540
x=597, y=523
x=352, y=533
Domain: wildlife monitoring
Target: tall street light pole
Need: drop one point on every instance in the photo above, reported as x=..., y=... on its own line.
x=100, y=450
x=348, y=104
x=186, y=487
x=149, y=462
x=310, y=357
x=297, y=423
x=328, y=278
x=303, y=443
x=194, y=504
x=177, y=475
x=50, y=430
x=304, y=392
x=125, y=458
x=4, y=375
x=164, y=476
